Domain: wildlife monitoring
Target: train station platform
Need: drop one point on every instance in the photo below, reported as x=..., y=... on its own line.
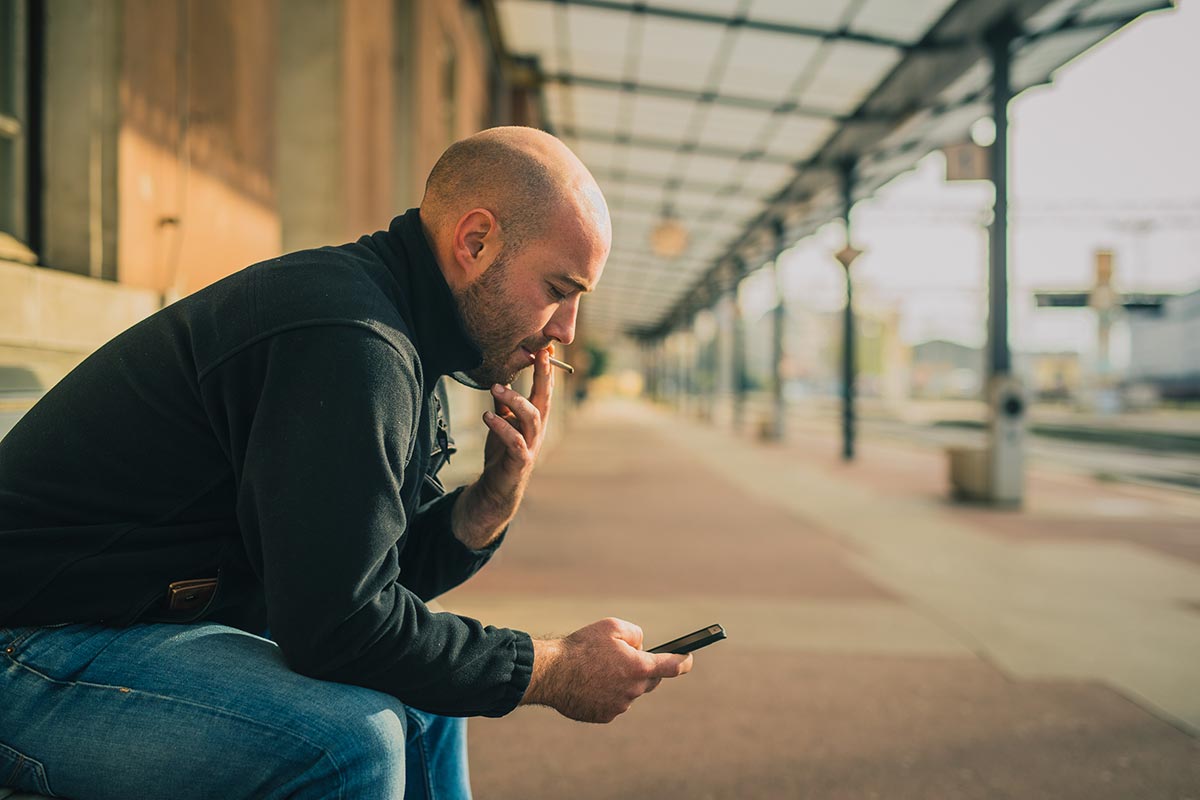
x=883, y=642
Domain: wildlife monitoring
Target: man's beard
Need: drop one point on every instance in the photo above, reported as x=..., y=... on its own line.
x=488, y=313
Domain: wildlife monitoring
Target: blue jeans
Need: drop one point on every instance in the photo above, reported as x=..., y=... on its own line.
x=206, y=711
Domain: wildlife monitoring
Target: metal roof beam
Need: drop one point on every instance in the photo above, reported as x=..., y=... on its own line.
x=675, y=184
x=1072, y=24
x=674, y=146
x=740, y=21
x=753, y=103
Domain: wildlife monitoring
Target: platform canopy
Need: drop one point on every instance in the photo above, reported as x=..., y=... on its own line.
x=735, y=117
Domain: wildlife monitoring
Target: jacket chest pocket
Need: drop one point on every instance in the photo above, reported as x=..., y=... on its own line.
x=441, y=445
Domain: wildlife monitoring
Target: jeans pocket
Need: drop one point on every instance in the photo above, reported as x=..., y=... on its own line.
x=19, y=771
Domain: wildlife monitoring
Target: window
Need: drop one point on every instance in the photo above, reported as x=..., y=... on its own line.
x=13, y=56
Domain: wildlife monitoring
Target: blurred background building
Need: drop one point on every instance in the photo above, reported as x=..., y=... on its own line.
x=1165, y=348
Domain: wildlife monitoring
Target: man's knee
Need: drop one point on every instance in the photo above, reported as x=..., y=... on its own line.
x=363, y=740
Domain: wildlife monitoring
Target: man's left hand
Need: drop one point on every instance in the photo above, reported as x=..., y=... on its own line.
x=515, y=434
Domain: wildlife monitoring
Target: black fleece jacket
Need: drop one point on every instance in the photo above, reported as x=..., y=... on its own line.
x=278, y=430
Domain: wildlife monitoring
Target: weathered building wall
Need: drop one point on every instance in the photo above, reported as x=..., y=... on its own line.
x=451, y=95
x=186, y=140
x=196, y=149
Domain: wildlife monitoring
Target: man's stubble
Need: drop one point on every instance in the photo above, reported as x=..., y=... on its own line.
x=489, y=313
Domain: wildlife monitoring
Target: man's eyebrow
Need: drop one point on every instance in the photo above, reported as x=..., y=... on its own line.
x=576, y=282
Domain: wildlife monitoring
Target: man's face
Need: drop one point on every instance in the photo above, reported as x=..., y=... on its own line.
x=526, y=300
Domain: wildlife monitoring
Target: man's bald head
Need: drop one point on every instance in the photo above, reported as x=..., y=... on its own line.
x=524, y=176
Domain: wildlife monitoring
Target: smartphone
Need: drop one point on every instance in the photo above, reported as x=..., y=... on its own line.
x=693, y=641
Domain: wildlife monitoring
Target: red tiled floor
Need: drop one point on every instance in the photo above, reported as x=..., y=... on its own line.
x=618, y=511
x=770, y=725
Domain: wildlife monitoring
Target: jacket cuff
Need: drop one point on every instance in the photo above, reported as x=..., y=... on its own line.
x=518, y=682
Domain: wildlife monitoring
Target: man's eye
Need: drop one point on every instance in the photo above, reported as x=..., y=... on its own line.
x=556, y=294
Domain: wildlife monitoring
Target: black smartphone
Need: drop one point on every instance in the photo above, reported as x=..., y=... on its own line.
x=693, y=641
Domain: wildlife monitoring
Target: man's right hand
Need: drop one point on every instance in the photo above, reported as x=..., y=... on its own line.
x=596, y=673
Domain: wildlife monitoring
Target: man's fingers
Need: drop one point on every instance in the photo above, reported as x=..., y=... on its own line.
x=527, y=415
x=626, y=631
x=501, y=409
x=507, y=433
x=543, y=381
x=670, y=665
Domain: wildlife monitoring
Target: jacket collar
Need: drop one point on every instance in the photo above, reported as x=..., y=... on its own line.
x=441, y=339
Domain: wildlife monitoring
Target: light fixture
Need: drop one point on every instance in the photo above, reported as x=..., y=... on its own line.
x=847, y=255
x=983, y=131
x=669, y=239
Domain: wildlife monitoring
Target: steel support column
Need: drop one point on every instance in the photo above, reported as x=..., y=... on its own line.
x=778, y=331
x=849, y=367
x=1006, y=396
x=739, y=353
x=999, y=43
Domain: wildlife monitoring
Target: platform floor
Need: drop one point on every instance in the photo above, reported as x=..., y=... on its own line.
x=883, y=641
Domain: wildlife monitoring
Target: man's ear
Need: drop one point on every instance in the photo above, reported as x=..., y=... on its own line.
x=476, y=242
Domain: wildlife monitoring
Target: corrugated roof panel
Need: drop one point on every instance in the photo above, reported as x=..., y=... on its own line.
x=678, y=53
x=642, y=262
x=710, y=169
x=764, y=65
x=595, y=109
x=798, y=137
x=643, y=193
x=848, y=73
x=1053, y=13
x=736, y=205
x=596, y=155
x=1102, y=9
x=907, y=21
x=689, y=204
x=632, y=219
x=719, y=227
x=951, y=126
x=557, y=104
x=822, y=14
x=649, y=162
x=766, y=177
x=597, y=39
x=733, y=127
x=528, y=29
x=705, y=248
x=1035, y=63
x=972, y=81
x=661, y=117
x=631, y=237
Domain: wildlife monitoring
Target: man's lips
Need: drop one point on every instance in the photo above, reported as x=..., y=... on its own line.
x=532, y=353
x=553, y=361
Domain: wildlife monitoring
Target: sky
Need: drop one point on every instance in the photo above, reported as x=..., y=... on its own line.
x=1104, y=157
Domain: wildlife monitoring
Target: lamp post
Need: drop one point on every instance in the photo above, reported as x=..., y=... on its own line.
x=846, y=257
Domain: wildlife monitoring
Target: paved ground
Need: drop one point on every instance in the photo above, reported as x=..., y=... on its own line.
x=883, y=642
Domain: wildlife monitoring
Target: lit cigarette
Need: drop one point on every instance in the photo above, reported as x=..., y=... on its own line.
x=562, y=365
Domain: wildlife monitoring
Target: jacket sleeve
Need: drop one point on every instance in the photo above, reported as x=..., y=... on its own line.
x=321, y=510
x=434, y=561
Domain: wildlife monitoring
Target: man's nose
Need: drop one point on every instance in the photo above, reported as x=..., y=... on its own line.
x=561, y=326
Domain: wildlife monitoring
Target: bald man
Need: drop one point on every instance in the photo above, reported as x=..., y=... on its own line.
x=260, y=460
